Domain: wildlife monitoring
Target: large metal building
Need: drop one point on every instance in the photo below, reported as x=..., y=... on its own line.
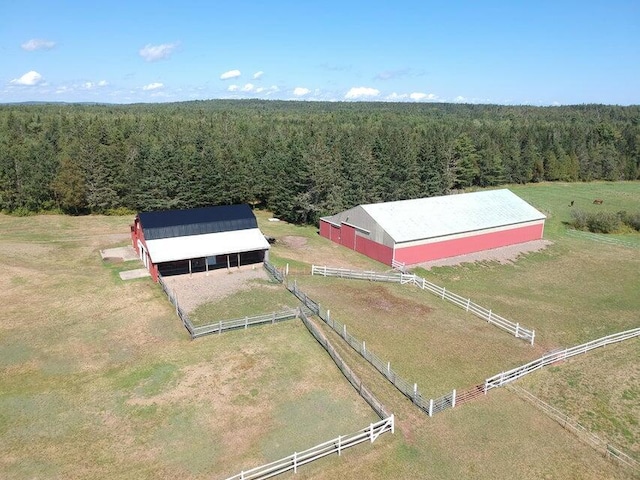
x=415, y=231
x=198, y=239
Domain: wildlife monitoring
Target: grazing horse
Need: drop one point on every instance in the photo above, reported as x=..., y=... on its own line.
x=598, y=201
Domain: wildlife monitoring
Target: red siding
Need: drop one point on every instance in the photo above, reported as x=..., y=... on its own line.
x=462, y=246
x=374, y=250
x=137, y=233
x=325, y=229
x=347, y=236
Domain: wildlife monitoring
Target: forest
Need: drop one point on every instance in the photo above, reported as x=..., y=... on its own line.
x=301, y=160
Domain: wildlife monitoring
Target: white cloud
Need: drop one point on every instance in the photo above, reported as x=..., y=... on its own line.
x=233, y=88
x=153, y=86
x=300, y=91
x=257, y=75
x=362, y=92
x=394, y=97
x=37, y=44
x=248, y=87
x=459, y=98
x=230, y=74
x=152, y=53
x=259, y=89
x=419, y=96
x=92, y=85
x=30, y=78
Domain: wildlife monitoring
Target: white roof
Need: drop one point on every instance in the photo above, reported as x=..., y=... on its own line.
x=206, y=245
x=408, y=220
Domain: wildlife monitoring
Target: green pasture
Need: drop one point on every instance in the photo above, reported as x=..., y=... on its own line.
x=263, y=297
x=99, y=378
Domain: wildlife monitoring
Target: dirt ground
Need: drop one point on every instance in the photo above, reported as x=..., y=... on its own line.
x=502, y=255
x=200, y=288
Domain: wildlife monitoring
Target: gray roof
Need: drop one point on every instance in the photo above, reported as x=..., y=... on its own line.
x=408, y=220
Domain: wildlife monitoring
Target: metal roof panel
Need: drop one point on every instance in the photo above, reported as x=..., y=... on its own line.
x=417, y=219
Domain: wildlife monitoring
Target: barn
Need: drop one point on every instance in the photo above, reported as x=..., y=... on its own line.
x=171, y=242
x=424, y=229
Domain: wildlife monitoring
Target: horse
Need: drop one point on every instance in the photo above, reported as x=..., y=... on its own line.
x=598, y=201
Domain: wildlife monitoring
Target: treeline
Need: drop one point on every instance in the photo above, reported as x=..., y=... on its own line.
x=300, y=159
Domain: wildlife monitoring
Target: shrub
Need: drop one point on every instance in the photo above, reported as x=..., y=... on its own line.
x=579, y=219
x=603, y=222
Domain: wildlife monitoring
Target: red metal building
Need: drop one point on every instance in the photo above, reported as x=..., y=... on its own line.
x=425, y=229
x=173, y=242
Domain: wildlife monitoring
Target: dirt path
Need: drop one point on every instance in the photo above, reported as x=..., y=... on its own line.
x=502, y=255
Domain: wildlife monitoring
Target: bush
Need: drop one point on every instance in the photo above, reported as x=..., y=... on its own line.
x=120, y=212
x=630, y=219
x=603, y=222
x=579, y=219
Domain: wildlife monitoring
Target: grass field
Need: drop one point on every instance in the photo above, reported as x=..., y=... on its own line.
x=99, y=379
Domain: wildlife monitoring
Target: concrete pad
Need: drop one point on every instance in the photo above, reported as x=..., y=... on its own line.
x=123, y=253
x=137, y=273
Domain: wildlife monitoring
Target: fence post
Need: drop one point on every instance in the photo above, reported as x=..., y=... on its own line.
x=339, y=444
x=325, y=270
x=286, y=269
x=533, y=335
x=246, y=322
x=328, y=317
x=364, y=348
x=443, y=290
x=273, y=320
x=295, y=462
x=389, y=368
x=393, y=424
x=489, y=319
x=453, y=398
x=415, y=391
x=517, y=328
x=431, y=407
x=220, y=328
x=468, y=303
x=486, y=386
x=371, y=432
x=344, y=331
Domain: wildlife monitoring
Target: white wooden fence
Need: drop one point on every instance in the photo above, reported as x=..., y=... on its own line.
x=222, y=325
x=556, y=356
x=405, y=278
x=608, y=450
x=410, y=390
x=337, y=445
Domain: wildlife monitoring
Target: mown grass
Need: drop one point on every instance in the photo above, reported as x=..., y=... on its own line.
x=574, y=291
x=99, y=379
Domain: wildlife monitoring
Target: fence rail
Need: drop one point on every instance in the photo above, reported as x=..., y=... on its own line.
x=364, y=392
x=182, y=315
x=410, y=390
x=337, y=445
x=608, y=450
x=222, y=325
x=406, y=278
x=556, y=356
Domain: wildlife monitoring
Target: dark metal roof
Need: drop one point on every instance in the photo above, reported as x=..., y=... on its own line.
x=196, y=221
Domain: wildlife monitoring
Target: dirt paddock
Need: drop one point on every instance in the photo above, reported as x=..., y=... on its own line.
x=200, y=288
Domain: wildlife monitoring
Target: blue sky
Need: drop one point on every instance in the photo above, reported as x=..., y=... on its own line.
x=506, y=52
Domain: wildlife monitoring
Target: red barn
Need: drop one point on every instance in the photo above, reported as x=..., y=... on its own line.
x=425, y=229
x=173, y=242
